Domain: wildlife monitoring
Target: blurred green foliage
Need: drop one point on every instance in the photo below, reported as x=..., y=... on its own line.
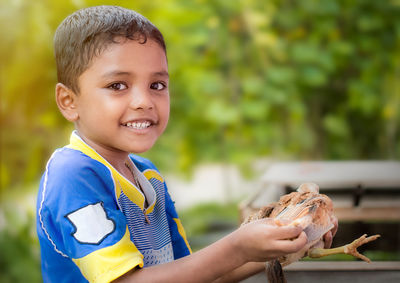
x=206, y=223
x=203, y=218
x=18, y=261
x=304, y=79
x=19, y=249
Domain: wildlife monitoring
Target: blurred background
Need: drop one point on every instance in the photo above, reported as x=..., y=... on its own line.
x=251, y=82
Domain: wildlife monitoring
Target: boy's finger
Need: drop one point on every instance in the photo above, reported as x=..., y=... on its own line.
x=335, y=226
x=287, y=232
x=291, y=246
x=299, y=242
x=268, y=221
x=328, y=240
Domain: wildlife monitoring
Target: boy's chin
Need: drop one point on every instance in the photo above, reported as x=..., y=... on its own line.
x=141, y=149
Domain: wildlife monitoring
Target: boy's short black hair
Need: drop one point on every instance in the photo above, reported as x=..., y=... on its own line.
x=87, y=32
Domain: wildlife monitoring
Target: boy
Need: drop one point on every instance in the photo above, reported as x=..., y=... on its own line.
x=104, y=214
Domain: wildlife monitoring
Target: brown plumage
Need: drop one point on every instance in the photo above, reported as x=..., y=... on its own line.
x=313, y=212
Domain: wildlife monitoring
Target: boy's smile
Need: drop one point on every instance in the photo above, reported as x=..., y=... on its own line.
x=123, y=100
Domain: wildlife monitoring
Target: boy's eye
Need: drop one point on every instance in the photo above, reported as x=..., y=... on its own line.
x=117, y=86
x=157, y=86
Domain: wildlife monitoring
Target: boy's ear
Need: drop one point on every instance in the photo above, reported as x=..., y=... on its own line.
x=67, y=102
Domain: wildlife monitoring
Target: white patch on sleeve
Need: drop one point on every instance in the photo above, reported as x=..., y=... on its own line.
x=91, y=223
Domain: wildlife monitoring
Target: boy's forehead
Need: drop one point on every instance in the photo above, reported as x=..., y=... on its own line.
x=123, y=58
x=131, y=52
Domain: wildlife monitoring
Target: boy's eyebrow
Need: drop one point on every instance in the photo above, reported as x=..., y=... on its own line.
x=122, y=73
x=162, y=74
x=115, y=73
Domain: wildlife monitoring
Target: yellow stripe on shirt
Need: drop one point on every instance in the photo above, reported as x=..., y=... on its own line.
x=182, y=232
x=110, y=263
x=122, y=184
x=149, y=173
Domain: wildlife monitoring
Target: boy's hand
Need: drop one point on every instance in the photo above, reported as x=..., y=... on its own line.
x=263, y=240
x=328, y=237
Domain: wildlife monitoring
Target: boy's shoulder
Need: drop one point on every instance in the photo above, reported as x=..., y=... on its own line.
x=69, y=159
x=67, y=166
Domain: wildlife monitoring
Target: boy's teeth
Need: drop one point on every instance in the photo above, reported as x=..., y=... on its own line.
x=138, y=125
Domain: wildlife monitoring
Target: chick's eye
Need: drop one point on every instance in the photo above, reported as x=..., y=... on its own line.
x=117, y=86
x=157, y=86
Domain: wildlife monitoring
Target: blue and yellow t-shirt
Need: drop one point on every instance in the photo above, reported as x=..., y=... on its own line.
x=93, y=224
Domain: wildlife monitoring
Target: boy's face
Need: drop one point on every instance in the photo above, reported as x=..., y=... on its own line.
x=123, y=103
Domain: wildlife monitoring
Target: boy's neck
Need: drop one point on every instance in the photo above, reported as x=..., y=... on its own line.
x=116, y=158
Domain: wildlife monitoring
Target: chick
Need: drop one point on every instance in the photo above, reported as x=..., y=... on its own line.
x=313, y=212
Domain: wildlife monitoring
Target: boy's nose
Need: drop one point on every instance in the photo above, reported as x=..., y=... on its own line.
x=141, y=99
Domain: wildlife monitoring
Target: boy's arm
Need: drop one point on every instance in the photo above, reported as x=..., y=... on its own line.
x=240, y=273
x=227, y=258
x=243, y=272
x=252, y=268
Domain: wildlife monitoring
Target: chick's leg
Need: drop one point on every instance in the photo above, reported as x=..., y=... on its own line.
x=350, y=249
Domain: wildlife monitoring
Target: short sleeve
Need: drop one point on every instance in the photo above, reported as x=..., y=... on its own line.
x=80, y=218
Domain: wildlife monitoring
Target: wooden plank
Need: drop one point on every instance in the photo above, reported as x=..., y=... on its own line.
x=334, y=174
x=334, y=272
x=367, y=213
x=343, y=266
